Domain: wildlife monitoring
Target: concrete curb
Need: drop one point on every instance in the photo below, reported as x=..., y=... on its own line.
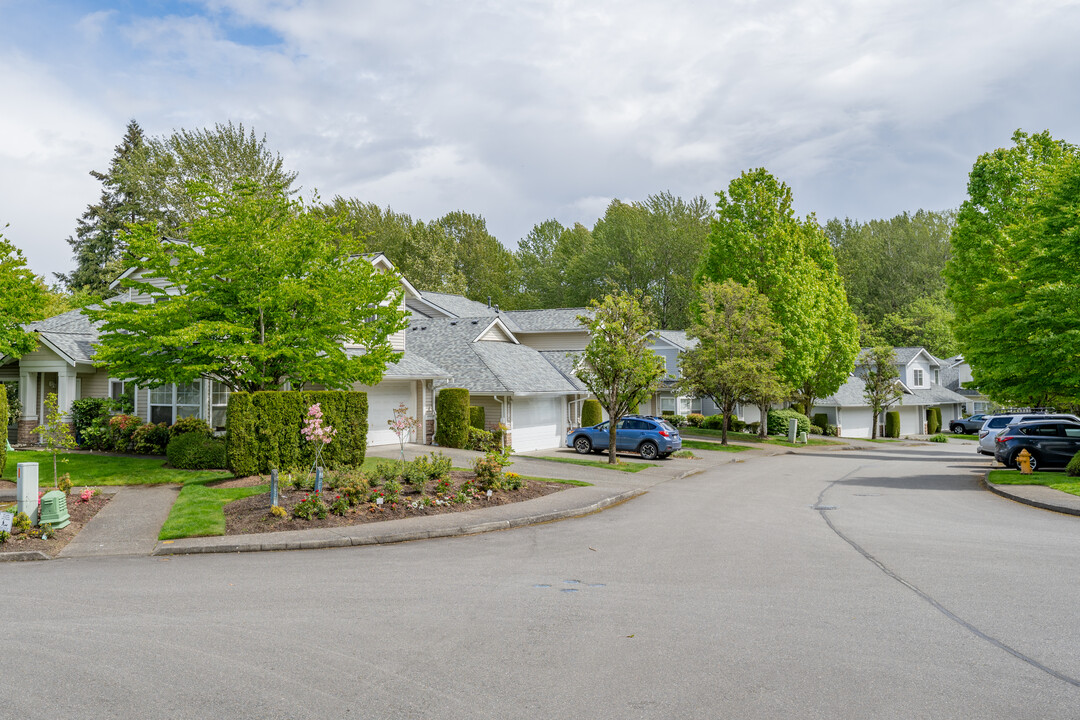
x=356, y=535
x=1016, y=496
x=23, y=556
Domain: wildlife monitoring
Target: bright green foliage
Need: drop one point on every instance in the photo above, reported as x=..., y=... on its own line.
x=476, y=417
x=489, y=269
x=14, y=405
x=926, y=322
x=933, y=420
x=3, y=445
x=738, y=347
x=84, y=412
x=778, y=421
x=1073, y=468
x=592, y=413
x=22, y=300
x=99, y=243
x=618, y=366
x=272, y=293
x=194, y=451
x=452, y=417
x=821, y=420
x=263, y=430
x=878, y=367
x=892, y=424
x=190, y=425
x=757, y=237
x=55, y=433
x=1013, y=273
x=939, y=438
x=150, y=439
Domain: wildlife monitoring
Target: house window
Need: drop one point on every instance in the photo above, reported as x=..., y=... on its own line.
x=219, y=404
x=937, y=376
x=170, y=402
x=123, y=393
x=667, y=404
x=917, y=377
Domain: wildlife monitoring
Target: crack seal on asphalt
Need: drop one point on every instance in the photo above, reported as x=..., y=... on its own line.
x=928, y=598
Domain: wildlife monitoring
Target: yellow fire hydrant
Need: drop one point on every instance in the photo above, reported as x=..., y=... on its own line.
x=1023, y=461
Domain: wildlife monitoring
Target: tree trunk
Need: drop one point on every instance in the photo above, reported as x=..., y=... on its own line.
x=873, y=427
x=612, y=460
x=763, y=428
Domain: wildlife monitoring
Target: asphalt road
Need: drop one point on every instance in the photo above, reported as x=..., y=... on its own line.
x=725, y=594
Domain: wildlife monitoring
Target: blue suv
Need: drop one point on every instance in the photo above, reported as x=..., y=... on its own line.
x=650, y=436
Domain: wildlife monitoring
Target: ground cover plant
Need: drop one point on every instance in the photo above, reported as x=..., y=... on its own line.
x=87, y=469
x=1057, y=481
x=713, y=446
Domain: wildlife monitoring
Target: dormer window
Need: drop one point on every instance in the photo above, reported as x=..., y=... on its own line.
x=917, y=377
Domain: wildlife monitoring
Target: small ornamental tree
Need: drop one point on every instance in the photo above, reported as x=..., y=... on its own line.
x=881, y=375
x=55, y=433
x=314, y=431
x=618, y=366
x=402, y=424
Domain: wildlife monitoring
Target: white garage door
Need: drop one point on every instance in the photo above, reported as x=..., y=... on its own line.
x=537, y=423
x=856, y=422
x=382, y=399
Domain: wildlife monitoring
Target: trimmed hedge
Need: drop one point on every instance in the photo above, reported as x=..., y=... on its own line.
x=933, y=420
x=83, y=414
x=892, y=424
x=194, y=451
x=263, y=430
x=591, y=413
x=778, y=421
x=1071, y=470
x=820, y=419
x=477, y=416
x=4, y=415
x=452, y=417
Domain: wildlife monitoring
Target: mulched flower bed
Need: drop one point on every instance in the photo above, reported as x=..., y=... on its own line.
x=80, y=512
x=252, y=514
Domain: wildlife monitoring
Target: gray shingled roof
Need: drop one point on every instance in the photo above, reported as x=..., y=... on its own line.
x=851, y=394
x=565, y=362
x=552, y=320
x=458, y=305
x=483, y=367
x=409, y=367
x=677, y=338
x=71, y=333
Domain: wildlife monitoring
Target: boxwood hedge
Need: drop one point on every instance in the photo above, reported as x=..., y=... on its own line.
x=591, y=413
x=452, y=417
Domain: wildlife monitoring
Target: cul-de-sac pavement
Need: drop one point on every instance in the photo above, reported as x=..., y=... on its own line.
x=873, y=581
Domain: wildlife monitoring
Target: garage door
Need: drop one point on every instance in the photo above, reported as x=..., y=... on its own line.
x=537, y=423
x=382, y=399
x=856, y=422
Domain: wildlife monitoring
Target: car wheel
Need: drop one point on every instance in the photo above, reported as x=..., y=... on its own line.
x=1034, y=461
x=648, y=450
x=957, y=429
x=583, y=445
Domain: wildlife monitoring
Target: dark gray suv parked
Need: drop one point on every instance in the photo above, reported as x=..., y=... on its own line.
x=967, y=426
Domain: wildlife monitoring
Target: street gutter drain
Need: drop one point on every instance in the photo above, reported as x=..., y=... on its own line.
x=822, y=507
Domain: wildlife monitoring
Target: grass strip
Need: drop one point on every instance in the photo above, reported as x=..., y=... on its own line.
x=715, y=446
x=753, y=438
x=199, y=510
x=576, y=483
x=87, y=469
x=622, y=465
x=1053, y=480
x=962, y=436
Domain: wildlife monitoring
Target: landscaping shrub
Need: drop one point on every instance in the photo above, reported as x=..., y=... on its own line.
x=151, y=439
x=933, y=420
x=676, y=420
x=189, y=424
x=1073, y=468
x=939, y=438
x=476, y=417
x=84, y=413
x=695, y=419
x=436, y=465
x=713, y=422
x=452, y=417
x=121, y=429
x=736, y=424
x=815, y=430
x=384, y=471
x=830, y=430
x=591, y=413
x=263, y=430
x=778, y=421
x=753, y=427
x=892, y=424
x=193, y=451
x=820, y=419
x=4, y=417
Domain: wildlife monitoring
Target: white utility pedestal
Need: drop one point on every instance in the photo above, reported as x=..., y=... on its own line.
x=792, y=430
x=26, y=490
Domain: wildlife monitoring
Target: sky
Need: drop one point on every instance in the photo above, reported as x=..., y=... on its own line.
x=525, y=110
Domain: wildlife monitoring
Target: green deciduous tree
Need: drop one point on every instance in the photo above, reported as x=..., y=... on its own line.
x=23, y=298
x=489, y=269
x=737, y=351
x=55, y=433
x=1013, y=272
x=756, y=237
x=618, y=366
x=262, y=292
x=878, y=367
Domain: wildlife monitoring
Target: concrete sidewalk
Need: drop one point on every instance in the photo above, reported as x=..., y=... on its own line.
x=128, y=525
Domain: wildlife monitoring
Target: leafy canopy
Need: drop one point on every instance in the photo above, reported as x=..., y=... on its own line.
x=618, y=366
x=878, y=367
x=23, y=298
x=262, y=292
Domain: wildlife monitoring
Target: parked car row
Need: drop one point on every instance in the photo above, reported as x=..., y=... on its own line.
x=996, y=423
x=1050, y=443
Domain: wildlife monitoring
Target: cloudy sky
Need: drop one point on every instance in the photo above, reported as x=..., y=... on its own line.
x=524, y=110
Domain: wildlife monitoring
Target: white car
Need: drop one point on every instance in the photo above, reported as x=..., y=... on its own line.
x=996, y=423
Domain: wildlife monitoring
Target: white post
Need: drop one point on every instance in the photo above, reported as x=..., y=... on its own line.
x=65, y=391
x=28, y=391
x=26, y=490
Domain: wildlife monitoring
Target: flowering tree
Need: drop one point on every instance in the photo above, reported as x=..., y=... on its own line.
x=316, y=432
x=402, y=424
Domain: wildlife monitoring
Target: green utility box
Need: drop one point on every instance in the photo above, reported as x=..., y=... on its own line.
x=54, y=510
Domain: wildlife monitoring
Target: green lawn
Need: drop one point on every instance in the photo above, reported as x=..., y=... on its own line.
x=199, y=510
x=1057, y=481
x=964, y=437
x=753, y=438
x=623, y=465
x=715, y=446
x=576, y=483
x=86, y=469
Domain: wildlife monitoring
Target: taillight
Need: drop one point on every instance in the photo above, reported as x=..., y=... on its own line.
x=983, y=433
x=664, y=433
x=1003, y=438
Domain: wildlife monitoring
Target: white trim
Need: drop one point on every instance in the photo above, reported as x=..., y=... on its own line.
x=502, y=326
